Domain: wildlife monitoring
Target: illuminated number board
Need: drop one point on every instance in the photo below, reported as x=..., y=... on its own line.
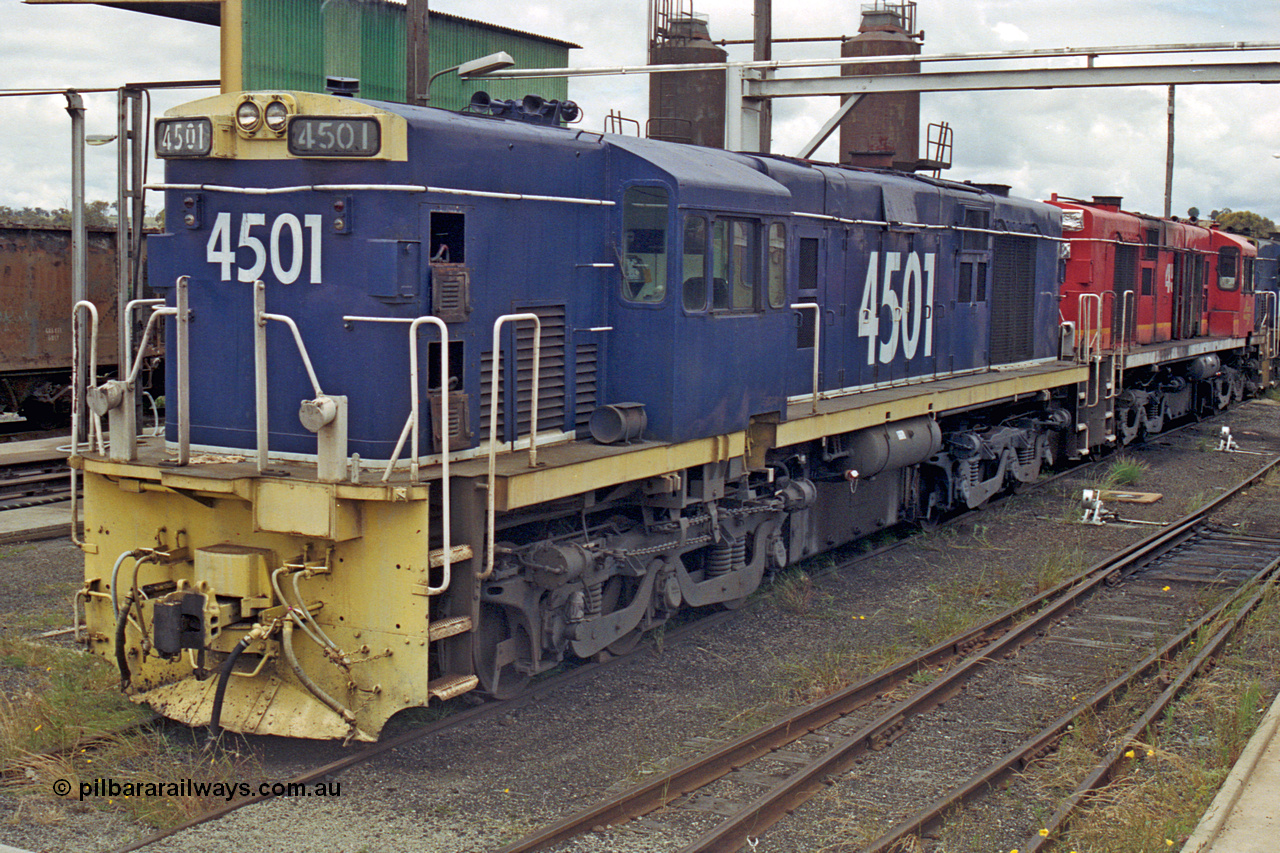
x=183, y=137
x=325, y=136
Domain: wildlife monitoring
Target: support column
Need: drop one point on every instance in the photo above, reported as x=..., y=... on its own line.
x=1168, y=163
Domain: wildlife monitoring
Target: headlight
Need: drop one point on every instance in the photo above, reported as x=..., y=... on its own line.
x=248, y=116
x=277, y=115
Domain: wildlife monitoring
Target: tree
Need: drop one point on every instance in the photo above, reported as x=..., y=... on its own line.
x=97, y=214
x=1244, y=222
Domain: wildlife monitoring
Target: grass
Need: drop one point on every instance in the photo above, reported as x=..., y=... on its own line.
x=1125, y=472
x=794, y=592
x=73, y=698
x=71, y=723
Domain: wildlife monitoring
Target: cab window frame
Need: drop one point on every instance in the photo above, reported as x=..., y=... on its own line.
x=644, y=251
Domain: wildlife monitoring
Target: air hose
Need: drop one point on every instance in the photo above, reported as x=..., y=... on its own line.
x=121, y=661
x=224, y=677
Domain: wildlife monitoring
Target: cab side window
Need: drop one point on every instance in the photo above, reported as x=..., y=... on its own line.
x=777, y=265
x=644, y=244
x=735, y=263
x=1228, y=272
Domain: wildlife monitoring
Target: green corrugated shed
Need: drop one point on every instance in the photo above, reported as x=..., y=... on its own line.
x=296, y=44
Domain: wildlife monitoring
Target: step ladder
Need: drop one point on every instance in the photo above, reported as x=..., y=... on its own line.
x=449, y=686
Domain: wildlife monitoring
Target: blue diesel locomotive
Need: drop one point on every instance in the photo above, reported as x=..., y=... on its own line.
x=554, y=386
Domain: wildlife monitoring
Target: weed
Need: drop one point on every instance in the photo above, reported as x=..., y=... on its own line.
x=820, y=676
x=71, y=723
x=1053, y=568
x=794, y=592
x=1195, y=501
x=72, y=699
x=1127, y=472
x=924, y=676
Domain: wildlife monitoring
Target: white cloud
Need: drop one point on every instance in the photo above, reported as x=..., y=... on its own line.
x=1077, y=142
x=1007, y=32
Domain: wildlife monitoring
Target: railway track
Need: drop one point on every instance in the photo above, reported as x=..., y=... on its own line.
x=1024, y=673
x=34, y=484
x=939, y=656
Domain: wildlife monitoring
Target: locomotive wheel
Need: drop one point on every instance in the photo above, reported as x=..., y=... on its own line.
x=502, y=643
x=618, y=593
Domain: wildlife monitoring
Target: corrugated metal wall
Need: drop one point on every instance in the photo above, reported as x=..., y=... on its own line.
x=296, y=44
x=456, y=40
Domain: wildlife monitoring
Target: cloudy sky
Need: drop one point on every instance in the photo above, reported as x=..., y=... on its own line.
x=1073, y=142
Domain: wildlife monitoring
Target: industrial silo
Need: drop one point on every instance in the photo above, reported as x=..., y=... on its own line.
x=883, y=130
x=685, y=106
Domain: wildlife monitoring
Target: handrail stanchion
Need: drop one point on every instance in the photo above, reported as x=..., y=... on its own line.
x=325, y=416
x=184, y=371
x=261, y=416
x=817, y=342
x=1091, y=343
x=1121, y=355
x=77, y=398
x=493, y=422
x=412, y=427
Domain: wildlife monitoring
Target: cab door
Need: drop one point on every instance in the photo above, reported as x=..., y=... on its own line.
x=811, y=246
x=970, y=320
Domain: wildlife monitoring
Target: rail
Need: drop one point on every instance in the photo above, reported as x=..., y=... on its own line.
x=496, y=364
x=817, y=342
x=978, y=647
x=411, y=427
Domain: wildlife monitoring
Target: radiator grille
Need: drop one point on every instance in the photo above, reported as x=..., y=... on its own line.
x=1013, y=299
x=1125, y=272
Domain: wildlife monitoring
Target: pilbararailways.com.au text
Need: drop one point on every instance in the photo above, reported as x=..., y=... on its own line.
x=192, y=788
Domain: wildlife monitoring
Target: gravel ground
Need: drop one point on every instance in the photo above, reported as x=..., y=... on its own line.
x=486, y=783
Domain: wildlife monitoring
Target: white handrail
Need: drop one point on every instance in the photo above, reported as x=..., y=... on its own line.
x=1122, y=348
x=412, y=426
x=136, y=367
x=77, y=398
x=183, y=321
x=1090, y=340
x=493, y=421
x=260, y=318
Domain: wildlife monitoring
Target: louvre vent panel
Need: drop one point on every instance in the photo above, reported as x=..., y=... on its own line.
x=585, y=386
x=551, y=377
x=450, y=292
